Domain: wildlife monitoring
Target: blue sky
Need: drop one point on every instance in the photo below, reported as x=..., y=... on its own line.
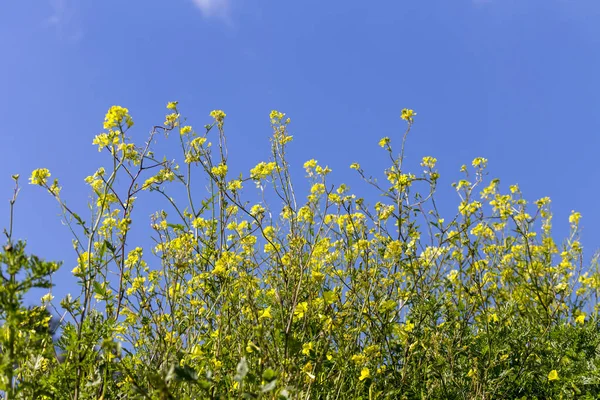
x=510, y=80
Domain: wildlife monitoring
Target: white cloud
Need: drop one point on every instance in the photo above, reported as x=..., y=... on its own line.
x=64, y=20
x=213, y=8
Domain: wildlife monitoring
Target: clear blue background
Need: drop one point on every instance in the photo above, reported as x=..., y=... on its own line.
x=510, y=80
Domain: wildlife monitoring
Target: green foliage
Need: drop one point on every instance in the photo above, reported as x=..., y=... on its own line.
x=320, y=295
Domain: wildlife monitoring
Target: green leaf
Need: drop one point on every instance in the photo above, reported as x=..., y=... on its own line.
x=185, y=374
x=99, y=289
x=269, y=375
x=176, y=227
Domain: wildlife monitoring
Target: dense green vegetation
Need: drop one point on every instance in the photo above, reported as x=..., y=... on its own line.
x=316, y=295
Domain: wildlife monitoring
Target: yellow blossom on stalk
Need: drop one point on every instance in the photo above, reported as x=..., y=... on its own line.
x=114, y=118
x=262, y=170
x=276, y=116
x=466, y=208
x=197, y=143
x=409, y=326
x=103, y=140
x=490, y=190
x=172, y=105
x=307, y=370
x=39, y=176
x=305, y=214
x=407, y=114
x=257, y=210
x=47, y=298
x=483, y=231
x=463, y=184
x=317, y=189
x=542, y=202
x=553, y=375
x=265, y=314
x=364, y=374
x=480, y=162
x=358, y=359
x=234, y=185
x=171, y=120
x=55, y=188
x=355, y=166
x=580, y=319
x=185, y=130
x=83, y=260
x=574, y=218
x=384, y=211
x=429, y=162
x=301, y=310
x=384, y=142
x=220, y=170
x=133, y=257
x=453, y=276
x=218, y=115
x=322, y=170
x=307, y=347
x=332, y=197
x=310, y=164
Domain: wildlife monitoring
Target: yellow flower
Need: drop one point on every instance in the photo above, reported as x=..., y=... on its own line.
x=364, y=374
x=218, y=115
x=262, y=170
x=47, y=298
x=300, y=310
x=307, y=347
x=257, y=210
x=407, y=114
x=197, y=143
x=114, y=117
x=266, y=313
x=318, y=189
x=307, y=370
x=580, y=318
x=429, y=162
x=480, y=162
x=172, y=105
x=220, y=170
x=171, y=120
x=310, y=164
x=553, y=375
x=358, y=359
x=234, y=185
x=39, y=176
x=276, y=116
x=322, y=170
x=384, y=141
x=574, y=218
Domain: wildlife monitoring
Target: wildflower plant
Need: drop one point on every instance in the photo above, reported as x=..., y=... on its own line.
x=315, y=295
